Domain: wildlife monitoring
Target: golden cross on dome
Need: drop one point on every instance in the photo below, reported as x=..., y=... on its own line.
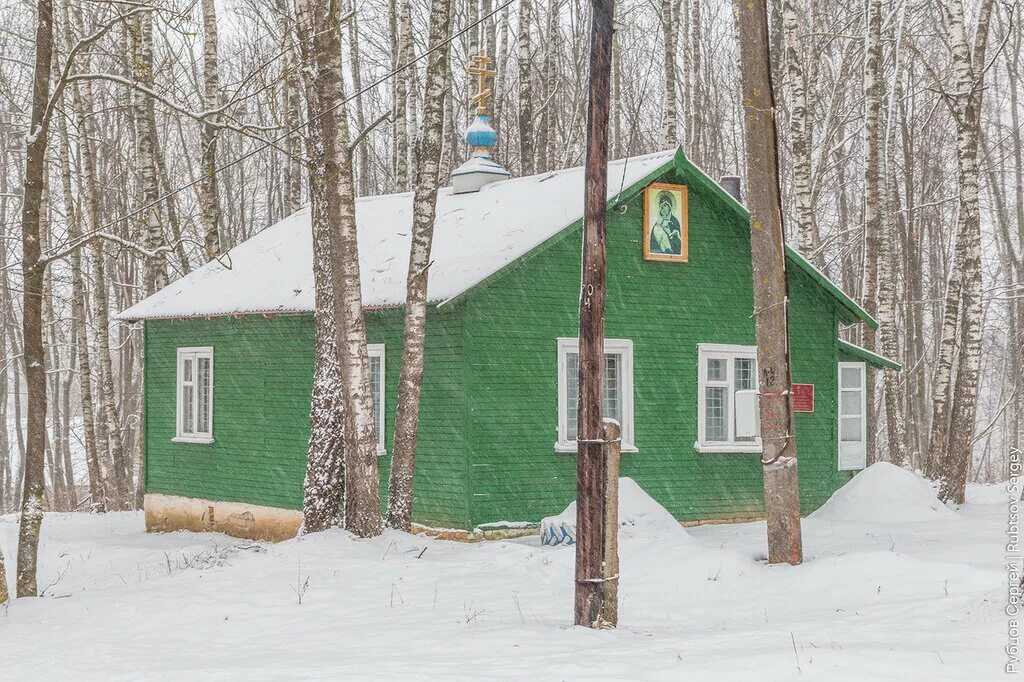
x=480, y=69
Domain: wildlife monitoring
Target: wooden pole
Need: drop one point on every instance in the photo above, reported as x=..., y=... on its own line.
x=611, y=451
x=767, y=243
x=592, y=586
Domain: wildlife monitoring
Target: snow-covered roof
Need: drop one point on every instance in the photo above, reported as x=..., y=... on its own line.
x=475, y=235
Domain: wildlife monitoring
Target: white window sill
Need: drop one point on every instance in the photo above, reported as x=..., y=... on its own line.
x=729, y=448
x=571, y=449
x=200, y=440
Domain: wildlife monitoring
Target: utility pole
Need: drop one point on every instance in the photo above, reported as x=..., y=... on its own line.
x=767, y=246
x=596, y=549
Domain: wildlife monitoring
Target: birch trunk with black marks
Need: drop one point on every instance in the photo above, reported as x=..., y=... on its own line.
x=33, y=269
x=888, y=282
x=767, y=245
x=324, y=486
x=669, y=119
x=526, y=131
x=79, y=335
x=362, y=497
x=401, y=115
x=799, y=133
x=403, y=460
x=209, y=202
x=694, y=144
x=872, y=164
x=894, y=415
x=140, y=30
x=873, y=90
x=355, y=73
x=968, y=76
x=109, y=434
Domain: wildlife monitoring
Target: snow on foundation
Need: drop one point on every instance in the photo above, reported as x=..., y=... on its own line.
x=885, y=493
x=639, y=516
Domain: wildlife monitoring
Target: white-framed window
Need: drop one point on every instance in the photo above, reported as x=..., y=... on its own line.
x=195, y=395
x=376, y=353
x=617, y=396
x=853, y=405
x=727, y=412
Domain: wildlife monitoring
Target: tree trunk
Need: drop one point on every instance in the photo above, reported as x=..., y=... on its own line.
x=362, y=496
x=355, y=71
x=767, y=242
x=325, y=473
x=526, y=131
x=208, y=200
x=669, y=123
x=694, y=146
x=3, y=579
x=401, y=116
x=800, y=133
x=33, y=269
x=79, y=335
x=403, y=460
x=968, y=78
x=873, y=90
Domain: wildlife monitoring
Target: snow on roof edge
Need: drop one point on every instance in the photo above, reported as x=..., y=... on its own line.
x=384, y=234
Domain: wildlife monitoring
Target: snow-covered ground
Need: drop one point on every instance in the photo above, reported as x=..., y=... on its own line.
x=878, y=598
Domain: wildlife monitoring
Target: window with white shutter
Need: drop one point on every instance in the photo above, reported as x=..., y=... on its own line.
x=727, y=411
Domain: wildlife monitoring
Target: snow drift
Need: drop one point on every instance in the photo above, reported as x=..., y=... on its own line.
x=639, y=515
x=885, y=493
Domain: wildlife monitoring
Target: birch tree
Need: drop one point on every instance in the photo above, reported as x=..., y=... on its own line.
x=669, y=128
x=969, y=71
x=362, y=499
x=325, y=473
x=208, y=199
x=524, y=56
x=800, y=132
x=32, y=271
x=403, y=460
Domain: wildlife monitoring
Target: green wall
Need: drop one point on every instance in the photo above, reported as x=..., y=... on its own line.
x=262, y=378
x=263, y=374
x=489, y=406
x=667, y=309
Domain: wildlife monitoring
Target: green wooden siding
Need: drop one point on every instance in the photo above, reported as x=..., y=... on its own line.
x=263, y=374
x=667, y=309
x=262, y=379
x=489, y=405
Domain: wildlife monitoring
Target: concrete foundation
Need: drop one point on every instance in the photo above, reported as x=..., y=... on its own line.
x=170, y=512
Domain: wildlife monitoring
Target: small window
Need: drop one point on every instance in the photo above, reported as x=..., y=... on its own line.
x=727, y=399
x=853, y=433
x=376, y=353
x=195, y=395
x=617, y=393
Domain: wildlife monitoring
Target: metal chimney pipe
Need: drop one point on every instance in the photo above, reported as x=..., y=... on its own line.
x=731, y=184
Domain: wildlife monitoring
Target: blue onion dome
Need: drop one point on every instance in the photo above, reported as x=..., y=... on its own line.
x=480, y=133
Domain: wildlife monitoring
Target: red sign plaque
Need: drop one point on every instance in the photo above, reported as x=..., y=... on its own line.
x=803, y=397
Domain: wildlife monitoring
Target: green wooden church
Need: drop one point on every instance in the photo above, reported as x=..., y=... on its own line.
x=229, y=357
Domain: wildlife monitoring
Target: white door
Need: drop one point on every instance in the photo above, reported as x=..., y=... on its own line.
x=853, y=432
